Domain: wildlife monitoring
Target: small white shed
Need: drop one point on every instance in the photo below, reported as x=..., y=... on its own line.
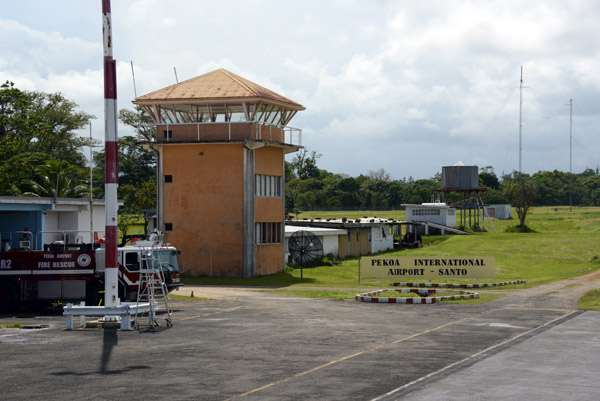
x=438, y=213
x=501, y=212
x=328, y=236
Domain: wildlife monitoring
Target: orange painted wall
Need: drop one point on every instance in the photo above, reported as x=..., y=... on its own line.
x=211, y=222
x=220, y=132
x=269, y=257
x=206, y=132
x=269, y=161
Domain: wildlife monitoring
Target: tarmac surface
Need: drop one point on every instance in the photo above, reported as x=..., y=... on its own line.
x=249, y=345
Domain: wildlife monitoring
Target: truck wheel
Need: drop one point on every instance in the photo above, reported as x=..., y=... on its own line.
x=8, y=296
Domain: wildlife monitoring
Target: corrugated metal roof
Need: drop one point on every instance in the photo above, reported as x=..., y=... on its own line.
x=343, y=223
x=216, y=85
x=289, y=230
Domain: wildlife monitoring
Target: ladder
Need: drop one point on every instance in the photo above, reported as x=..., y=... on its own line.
x=151, y=287
x=484, y=214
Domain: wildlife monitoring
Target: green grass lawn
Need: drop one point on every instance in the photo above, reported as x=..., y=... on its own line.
x=563, y=244
x=590, y=300
x=10, y=326
x=135, y=224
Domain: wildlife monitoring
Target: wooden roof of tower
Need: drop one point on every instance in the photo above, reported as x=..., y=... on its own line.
x=219, y=86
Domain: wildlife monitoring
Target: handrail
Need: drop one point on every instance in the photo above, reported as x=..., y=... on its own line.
x=36, y=237
x=65, y=232
x=288, y=133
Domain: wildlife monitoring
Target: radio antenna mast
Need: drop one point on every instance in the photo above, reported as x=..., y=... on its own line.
x=133, y=76
x=137, y=110
x=521, y=123
x=571, y=156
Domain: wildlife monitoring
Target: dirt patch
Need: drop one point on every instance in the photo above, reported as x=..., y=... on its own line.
x=570, y=290
x=560, y=294
x=215, y=292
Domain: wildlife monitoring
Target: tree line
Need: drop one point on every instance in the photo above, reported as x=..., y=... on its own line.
x=311, y=188
x=41, y=154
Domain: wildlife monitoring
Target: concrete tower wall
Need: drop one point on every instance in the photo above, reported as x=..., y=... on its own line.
x=204, y=206
x=269, y=257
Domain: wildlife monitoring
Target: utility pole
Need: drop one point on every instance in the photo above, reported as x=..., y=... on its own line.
x=91, y=188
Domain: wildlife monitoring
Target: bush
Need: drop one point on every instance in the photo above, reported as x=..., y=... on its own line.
x=330, y=260
x=520, y=229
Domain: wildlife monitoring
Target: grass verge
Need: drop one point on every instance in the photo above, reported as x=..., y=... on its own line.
x=10, y=326
x=562, y=243
x=334, y=295
x=590, y=300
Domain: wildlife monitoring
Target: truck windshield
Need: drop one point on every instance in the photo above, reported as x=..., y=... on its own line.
x=168, y=260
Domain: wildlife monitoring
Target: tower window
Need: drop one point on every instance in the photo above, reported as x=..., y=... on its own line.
x=268, y=185
x=268, y=233
x=168, y=178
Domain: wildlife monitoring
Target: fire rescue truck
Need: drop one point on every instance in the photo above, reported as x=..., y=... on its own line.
x=76, y=271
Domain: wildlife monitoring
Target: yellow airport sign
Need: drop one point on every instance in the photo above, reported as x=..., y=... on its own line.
x=427, y=267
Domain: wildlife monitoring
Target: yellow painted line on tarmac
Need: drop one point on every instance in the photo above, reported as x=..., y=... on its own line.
x=205, y=315
x=256, y=390
x=306, y=372
x=266, y=386
x=199, y=316
x=330, y=363
x=430, y=330
x=542, y=309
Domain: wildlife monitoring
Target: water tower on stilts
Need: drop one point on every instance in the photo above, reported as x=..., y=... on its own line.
x=464, y=180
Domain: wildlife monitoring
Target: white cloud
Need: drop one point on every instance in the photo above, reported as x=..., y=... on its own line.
x=413, y=86
x=27, y=49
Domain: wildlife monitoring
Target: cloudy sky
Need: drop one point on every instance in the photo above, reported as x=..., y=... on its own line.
x=407, y=86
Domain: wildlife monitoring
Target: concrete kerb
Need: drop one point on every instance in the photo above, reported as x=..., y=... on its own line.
x=424, y=298
x=454, y=285
x=372, y=296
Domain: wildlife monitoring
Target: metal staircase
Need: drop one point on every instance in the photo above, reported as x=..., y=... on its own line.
x=152, y=287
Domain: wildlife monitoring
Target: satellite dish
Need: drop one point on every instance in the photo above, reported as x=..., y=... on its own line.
x=305, y=248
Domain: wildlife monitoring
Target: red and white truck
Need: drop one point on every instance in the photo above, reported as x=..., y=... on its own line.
x=69, y=274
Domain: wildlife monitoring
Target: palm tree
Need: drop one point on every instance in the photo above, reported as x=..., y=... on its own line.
x=57, y=179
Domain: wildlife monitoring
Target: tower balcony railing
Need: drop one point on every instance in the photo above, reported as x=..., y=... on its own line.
x=227, y=132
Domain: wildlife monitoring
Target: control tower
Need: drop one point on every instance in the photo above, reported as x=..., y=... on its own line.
x=221, y=141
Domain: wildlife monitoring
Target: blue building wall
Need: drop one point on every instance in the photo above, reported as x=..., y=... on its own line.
x=17, y=218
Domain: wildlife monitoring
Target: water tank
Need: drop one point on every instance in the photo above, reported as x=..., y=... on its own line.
x=460, y=177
